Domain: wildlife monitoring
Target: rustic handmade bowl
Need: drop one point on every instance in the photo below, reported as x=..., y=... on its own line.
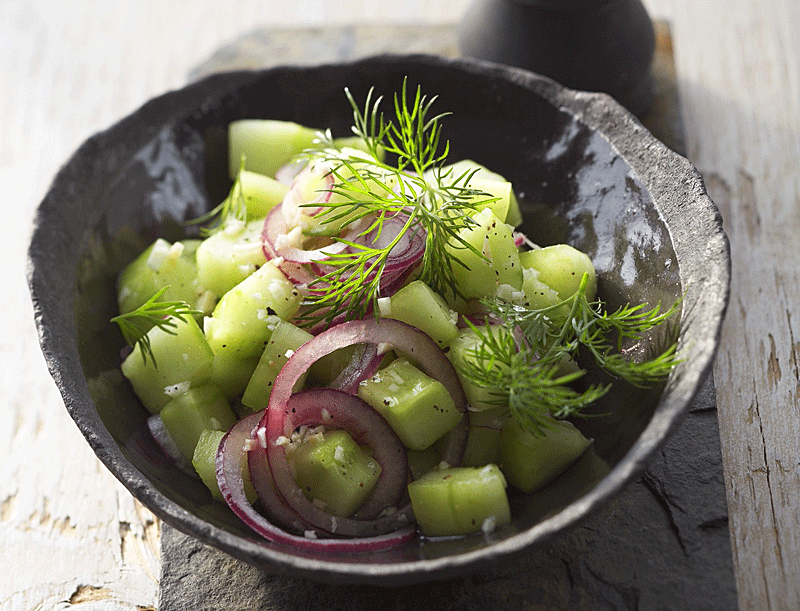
x=586, y=172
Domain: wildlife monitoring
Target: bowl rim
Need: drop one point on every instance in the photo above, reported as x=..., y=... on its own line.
x=708, y=292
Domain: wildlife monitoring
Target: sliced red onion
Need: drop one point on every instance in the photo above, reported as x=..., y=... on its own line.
x=279, y=420
x=231, y=458
x=337, y=409
x=273, y=237
x=164, y=440
x=288, y=172
x=363, y=364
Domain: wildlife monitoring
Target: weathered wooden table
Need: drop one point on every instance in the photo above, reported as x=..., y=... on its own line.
x=71, y=535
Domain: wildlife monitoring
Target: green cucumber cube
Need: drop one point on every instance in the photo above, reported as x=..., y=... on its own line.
x=460, y=500
x=478, y=277
x=261, y=193
x=483, y=179
x=181, y=358
x=245, y=317
x=266, y=144
x=422, y=461
x=334, y=472
x=324, y=371
x=561, y=267
x=531, y=461
x=483, y=441
x=229, y=256
x=285, y=339
x=416, y=406
x=461, y=352
x=420, y=306
x=231, y=375
x=204, y=461
x=161, y=264
x=189, y=414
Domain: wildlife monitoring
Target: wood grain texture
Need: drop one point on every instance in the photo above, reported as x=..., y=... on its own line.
x=70, y=535
x=738, y=68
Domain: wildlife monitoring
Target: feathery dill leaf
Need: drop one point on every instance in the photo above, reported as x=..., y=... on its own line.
x=518, y=360
x=135, y=325
x=412, y=190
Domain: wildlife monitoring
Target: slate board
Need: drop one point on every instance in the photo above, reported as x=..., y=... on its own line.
x=661, y=545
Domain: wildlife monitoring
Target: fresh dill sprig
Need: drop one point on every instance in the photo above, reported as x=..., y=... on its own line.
x=232, y=208
x=518, y=360
x=135, y=325
x=371, y=191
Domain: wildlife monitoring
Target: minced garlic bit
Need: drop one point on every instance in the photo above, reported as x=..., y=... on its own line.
x=249, y=445
x=177, y=389
x=334, y=524
x=310, y=534
x=387, y=511
x=489, y=525
x=338, y=454
x=326, y=415
x=261, y=433
x=289, y=353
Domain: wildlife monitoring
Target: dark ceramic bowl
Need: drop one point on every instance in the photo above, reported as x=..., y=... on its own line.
x=586, y=173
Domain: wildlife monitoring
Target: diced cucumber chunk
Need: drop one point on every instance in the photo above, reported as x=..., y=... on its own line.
x=479, y=277
x=161, y=264
x=285, y=339
x=266, y=144
x=231, y=375
x=324, y=371
x=334, y=472
x=204, y=461
x=184, y=357
x=229, y=256
x=462, y=351
x=422, y=461
x=261, y=193
x=561, y=267
x=356, y=142
x=189, y=414
x=483, y=441
x=483, y=179
x=420, y=306
x=531, y=461
x=460, y=500
x=244, y=318
x=416, y=406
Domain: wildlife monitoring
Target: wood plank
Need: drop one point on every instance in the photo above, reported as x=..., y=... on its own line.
x=739, y=70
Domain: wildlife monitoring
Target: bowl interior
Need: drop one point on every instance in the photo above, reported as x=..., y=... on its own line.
x=167, y=163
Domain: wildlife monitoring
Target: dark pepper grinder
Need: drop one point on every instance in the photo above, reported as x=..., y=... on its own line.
x=594, y=45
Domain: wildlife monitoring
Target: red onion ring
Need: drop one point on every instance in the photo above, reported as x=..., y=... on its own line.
x=275, y=226
x=278, y=421
x=365, y=425
x=363, y=364
x=231, y=458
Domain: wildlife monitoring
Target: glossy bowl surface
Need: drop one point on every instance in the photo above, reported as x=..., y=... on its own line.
x=586, y=172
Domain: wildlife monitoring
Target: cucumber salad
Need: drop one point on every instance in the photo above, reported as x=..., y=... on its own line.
x=359, y=348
